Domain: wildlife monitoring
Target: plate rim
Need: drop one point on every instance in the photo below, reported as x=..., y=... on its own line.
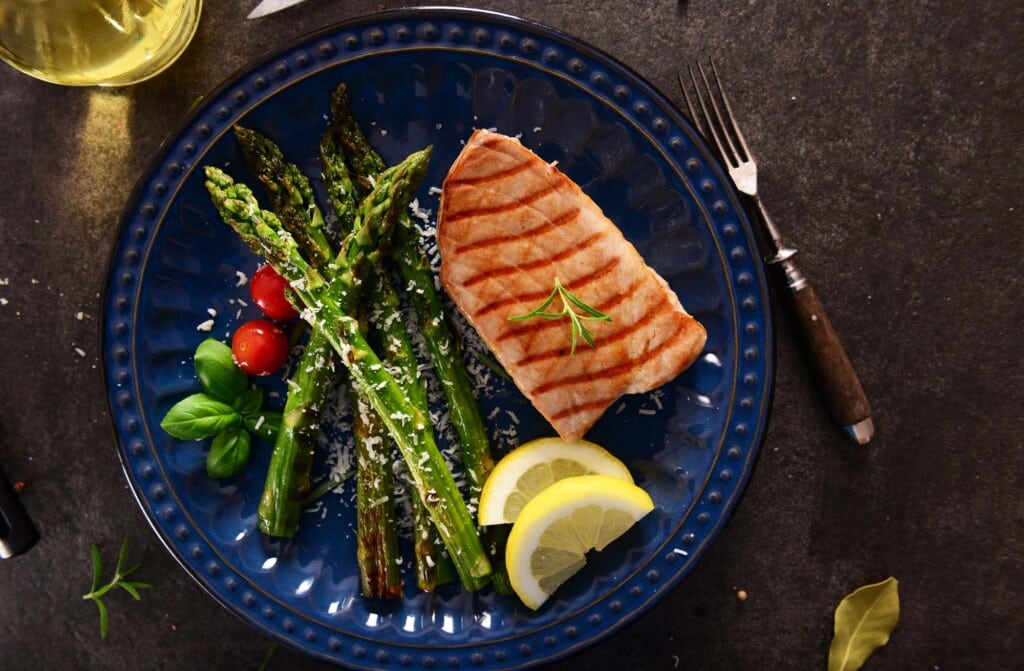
x=160, y=157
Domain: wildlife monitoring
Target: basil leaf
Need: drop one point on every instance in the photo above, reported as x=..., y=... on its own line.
x=863, y=621
x=217, y=372
x=198, y=416
x=249, y=402
x=264, y=425
x=229, y=453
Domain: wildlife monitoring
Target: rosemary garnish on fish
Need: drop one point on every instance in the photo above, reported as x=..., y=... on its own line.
x=576, y=319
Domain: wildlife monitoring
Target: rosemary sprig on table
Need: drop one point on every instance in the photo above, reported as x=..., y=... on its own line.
x=97, y=592
x=576, y=319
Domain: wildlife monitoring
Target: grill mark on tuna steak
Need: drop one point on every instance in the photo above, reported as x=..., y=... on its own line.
x=561, y=220
x=539, y=263
x=583, y=408
x=610, y=372
x=504, y=208
x=483, y=179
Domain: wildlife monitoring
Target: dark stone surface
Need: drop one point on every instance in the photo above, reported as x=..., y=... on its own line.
x=889, y=137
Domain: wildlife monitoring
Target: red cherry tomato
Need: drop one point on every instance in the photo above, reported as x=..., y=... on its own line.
x=259, y=347
x=267, y=290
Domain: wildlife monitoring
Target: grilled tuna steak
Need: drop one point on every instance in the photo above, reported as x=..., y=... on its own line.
x=509, y=224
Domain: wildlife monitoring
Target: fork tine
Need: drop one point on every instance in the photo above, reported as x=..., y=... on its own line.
x=728, y=111
x=734, y=156
x=708, y=119
x=689, y=103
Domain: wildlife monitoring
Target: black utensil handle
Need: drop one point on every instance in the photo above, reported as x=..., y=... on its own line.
x=17, y=532
x=832, y=368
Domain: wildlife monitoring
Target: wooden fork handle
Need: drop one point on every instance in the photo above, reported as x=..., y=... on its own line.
x=832, y=368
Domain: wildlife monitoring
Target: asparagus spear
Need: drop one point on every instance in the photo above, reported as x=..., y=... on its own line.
x=432, y=568
x=341, y=192
x=428, y=559
x=288, y=475
x=328, y=308
x=290, y=193
x=377, y=532
x=364, y=167
x=465, y=412
x=364, y=164
x=455, y=383
x=376, y=528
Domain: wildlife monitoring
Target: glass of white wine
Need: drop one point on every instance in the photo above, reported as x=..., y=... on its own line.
x=95, y=42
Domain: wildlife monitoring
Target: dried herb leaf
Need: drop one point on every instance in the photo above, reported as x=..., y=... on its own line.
x=863, y=621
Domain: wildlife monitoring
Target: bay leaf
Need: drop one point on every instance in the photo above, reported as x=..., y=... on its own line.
x=864, y=619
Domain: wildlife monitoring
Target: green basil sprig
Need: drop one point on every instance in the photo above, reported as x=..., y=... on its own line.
x=199, y=416
x=227, y=410
x=228, y=449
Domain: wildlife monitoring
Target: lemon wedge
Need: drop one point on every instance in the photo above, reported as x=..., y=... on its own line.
x=554, y=531
x=532, y=467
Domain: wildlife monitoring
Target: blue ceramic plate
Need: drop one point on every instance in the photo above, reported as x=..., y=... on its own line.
x=422, y=77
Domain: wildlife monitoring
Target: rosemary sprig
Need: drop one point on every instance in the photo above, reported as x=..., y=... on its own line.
x=97, y=592
x=265, y=664
x=569, y=301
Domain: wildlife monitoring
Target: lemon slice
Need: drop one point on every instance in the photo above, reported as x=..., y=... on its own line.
x=549, y=541
x=530, y=468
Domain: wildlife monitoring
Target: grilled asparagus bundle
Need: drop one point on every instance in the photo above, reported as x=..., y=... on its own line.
x=338, y=292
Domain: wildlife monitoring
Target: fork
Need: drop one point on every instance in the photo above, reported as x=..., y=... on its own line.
x=832, y=368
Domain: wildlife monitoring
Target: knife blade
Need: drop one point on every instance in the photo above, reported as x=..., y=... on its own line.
x=268, y=7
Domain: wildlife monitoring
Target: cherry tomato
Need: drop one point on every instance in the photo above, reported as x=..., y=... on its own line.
x=267, y=290
x=259, y=347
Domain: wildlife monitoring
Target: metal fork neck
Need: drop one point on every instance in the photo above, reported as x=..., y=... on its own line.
x=783, y=254
x=773, y=233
